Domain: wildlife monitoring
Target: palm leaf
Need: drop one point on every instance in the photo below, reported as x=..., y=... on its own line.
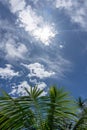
x=48, y=112
x=59, y=107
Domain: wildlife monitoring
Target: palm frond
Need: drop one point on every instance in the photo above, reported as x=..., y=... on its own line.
x=59, y=107
x=49, y=112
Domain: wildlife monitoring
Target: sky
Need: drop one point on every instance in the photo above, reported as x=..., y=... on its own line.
x=43, y=43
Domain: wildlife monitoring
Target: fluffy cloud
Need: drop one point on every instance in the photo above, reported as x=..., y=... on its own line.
x=15, y=50
x=38, y=70
x=20, y=89
x=34, y=24
x=8, y=72
x=75, y=9
x=17, y=5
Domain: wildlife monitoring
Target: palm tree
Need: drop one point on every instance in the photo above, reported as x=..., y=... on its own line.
x=81, y=123
x=53, y=111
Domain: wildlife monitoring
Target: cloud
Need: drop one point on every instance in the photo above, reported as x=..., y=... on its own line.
x=38, y=70
x=20, y=89
x=75, y=9
x=34, y=24
x=42, y=86
x=17, y=5
x=15, y=51
x=61, y=46
x=57, y=64
x=10, y=41
x=8, y=72
x=40, y=29
x=63, y=3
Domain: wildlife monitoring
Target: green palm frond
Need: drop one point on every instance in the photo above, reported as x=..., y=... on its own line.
x=60, y=107
x=81, y=123
x=34, y=111
x=17, y=114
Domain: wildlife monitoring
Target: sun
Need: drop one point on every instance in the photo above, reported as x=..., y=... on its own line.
x=45, y=34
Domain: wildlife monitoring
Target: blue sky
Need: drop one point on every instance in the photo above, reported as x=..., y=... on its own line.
x=43, y=43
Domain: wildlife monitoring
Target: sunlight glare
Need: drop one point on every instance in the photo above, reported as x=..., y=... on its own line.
x=45, y=34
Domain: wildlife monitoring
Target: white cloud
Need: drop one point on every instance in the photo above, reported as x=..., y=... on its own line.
x=61, y=46
x=17, y=5
x=34, y=24
x=57, y=64
x=15, y=50
x=75, y=9
x=20, y=89
x=8, y=72
x=33, y=81
x=38, y=70
x=42, y=86
x=63, y=3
